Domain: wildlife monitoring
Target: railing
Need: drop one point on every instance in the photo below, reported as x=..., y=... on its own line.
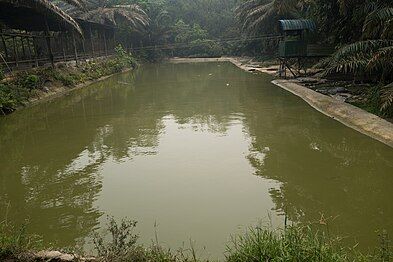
x=22, y=50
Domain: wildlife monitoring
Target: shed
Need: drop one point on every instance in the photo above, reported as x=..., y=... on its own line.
x=297, y=25
x=299, y=43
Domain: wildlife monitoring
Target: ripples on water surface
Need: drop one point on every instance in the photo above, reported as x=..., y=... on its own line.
x=200, y=149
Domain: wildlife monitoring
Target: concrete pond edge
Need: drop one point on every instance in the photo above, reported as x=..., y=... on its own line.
x=347, y=114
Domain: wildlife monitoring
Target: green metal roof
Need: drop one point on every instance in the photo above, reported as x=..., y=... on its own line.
x=297, y=24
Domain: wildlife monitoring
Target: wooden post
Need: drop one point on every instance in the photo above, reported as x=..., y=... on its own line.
x=30, y=52
x=5, y=46
x=106, y=48
x=74, y=45
x=91, y=41
x=35, y=51
x=62, y=46
x=84, y=48
x=114, y=38
x=15, y=52
x=48, y=43
x=23, y=47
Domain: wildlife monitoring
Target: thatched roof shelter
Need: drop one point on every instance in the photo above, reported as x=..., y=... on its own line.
x=36, y=15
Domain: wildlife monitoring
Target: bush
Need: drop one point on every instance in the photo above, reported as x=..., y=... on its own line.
x=124, y=59
x=19, y=90
x=11, y=96
x=298, y=243
x=7, y=102
x=123, y=245
x=27, y=81
x=15, y=243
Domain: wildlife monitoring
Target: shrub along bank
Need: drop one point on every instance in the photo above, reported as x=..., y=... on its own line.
x=119, y=243
x=18, y=89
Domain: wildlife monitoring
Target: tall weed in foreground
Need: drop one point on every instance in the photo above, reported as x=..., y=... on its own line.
x=15, y=242
x=297, y=243
x=122, y=245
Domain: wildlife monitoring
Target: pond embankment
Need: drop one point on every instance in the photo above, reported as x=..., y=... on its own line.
x=27, y=87
x=349, y=115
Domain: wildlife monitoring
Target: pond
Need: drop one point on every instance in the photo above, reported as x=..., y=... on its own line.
x=190, y=151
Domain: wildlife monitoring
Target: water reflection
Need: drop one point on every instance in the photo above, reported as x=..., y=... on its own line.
x=179, y=144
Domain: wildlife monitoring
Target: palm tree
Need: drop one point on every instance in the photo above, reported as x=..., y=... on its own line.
x=132, y=15
x=372, y=56
x=262, y=15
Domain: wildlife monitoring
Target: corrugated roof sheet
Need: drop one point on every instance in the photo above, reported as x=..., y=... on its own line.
x=297, y=24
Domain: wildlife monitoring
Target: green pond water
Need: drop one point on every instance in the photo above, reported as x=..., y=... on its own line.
x=201, y=150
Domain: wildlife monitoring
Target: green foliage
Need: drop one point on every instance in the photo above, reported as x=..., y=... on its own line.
x=124, y=59
x=15, y=242
x=205, y=48
x=11, y=96
x=297, y=243
x=16, y=92
x=122, y=245
x=118, y=243
x=122, y=240
x=262, y=16
x=7, y=101
x=27, y=81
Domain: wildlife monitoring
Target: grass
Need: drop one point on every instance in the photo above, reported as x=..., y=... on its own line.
x=15, y=242
x=118, y=243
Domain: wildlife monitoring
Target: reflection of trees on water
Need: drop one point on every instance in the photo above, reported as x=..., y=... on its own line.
x=323, y=167
x=51, y=171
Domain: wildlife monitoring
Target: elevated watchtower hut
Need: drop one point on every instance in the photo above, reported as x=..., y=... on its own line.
x=299, y=44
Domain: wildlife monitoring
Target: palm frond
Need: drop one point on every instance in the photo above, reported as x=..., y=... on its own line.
x=387, y=98
x=366, y=46
x=382, y=60
x=134, y=16
x=260, y=15
x=376, y=21
x=47, y=8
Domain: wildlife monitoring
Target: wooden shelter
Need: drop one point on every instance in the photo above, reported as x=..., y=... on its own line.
x=36, y=32
x=299, y=43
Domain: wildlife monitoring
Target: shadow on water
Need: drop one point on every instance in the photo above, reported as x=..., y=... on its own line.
x=58, y=159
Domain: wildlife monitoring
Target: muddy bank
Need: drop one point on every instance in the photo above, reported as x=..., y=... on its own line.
x=57, y=89
x=349, y=115
x=27, y=87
